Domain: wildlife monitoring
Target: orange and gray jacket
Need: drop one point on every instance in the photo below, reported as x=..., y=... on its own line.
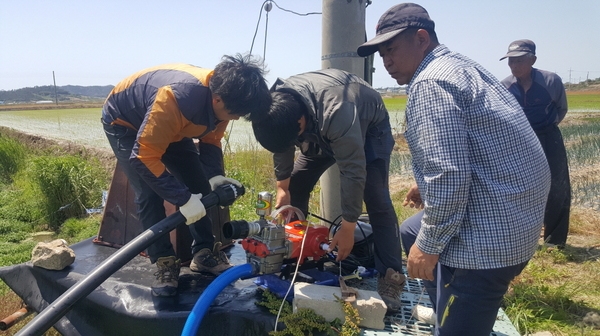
x=341, y=108
x=166, y=104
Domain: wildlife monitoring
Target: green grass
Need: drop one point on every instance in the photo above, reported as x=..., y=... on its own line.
x=583, y=101
x=68, y=185
x=40, y=190
x=12, y=158
x=397, y=103
x=577, y=100
x=582, y=140
x=253, y=167
x=550, y=296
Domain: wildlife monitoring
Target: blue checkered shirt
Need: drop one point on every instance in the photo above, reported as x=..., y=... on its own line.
x=478, y=164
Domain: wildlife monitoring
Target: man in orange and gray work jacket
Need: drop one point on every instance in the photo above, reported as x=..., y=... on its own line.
x=150, y=119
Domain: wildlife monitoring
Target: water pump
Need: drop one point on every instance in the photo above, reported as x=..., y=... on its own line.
x=277, y=237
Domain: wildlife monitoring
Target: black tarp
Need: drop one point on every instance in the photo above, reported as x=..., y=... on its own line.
x=123, y=304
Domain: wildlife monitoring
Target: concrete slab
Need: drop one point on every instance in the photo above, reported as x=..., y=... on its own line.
x=322, y=299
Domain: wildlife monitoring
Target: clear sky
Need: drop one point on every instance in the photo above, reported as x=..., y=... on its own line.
x=92, y=42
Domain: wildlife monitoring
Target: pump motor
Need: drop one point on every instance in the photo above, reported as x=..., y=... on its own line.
x=276, y=239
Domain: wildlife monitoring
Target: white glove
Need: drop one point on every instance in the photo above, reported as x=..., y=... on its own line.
x=220, y=180
x=193, y=210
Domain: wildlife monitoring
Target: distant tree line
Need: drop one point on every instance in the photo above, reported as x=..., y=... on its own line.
x=583, y=85
x=63, y=93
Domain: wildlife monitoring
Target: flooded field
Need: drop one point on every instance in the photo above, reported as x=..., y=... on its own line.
x=83, y=127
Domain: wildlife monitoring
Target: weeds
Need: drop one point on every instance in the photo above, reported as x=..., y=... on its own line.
x=74, y=230
x=43, y=191
x=305, y=321
x=351, y=318
x=254, y=169
x=68, y=186
x=548, y=295
x=12, y=158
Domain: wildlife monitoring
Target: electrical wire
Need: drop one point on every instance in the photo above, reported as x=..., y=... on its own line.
x=353, y=261
x=262, y=6
x=257, y=25
x=293, y=277
x=267, y=9
x=291, y=11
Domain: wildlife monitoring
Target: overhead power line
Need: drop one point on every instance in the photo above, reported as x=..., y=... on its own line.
x=267, y=5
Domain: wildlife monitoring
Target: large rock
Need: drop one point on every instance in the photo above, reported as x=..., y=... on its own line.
x=54, y=255
x=321, y=299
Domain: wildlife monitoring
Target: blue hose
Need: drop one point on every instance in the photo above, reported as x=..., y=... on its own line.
x=210, y=293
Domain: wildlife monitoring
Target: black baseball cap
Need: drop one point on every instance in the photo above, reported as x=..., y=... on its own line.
x=394, y=21
x=520, y=48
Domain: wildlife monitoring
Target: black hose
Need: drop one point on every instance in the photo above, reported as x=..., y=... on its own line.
x=224, y=195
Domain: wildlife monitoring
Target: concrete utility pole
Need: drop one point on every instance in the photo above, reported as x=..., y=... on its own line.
x=55, y=94
x=343, y=32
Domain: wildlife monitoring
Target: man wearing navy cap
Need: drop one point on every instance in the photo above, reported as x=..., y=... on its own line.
x=482, y=177
x=542, y=96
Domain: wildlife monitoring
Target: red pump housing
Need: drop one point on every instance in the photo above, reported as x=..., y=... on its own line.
x=316, y=235
x=289, y=248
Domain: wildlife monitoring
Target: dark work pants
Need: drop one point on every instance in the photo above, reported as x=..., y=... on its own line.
x=466, y=301
x=382, y=217
x=558, y=207
x=183, y=161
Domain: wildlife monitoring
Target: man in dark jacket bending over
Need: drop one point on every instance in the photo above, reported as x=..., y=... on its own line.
x=336, y=117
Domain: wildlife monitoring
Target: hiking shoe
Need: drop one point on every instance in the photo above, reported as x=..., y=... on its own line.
x=167, y=277
x=214, y=261
x=424, y=314
x=389, y=288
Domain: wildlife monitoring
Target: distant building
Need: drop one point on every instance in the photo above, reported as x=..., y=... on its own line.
x=44, y=102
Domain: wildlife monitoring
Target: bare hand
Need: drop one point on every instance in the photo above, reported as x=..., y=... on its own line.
x=420, y=264
x=343, y=239
x=283, y=196
x=413, y=198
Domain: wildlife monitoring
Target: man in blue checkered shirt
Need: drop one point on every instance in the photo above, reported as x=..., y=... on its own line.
x=482, y=177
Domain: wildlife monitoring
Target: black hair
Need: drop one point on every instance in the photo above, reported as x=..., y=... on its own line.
x=239, y=81
x=278, y=129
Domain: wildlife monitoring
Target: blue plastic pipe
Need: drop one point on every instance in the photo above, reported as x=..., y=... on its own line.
x=210, y=293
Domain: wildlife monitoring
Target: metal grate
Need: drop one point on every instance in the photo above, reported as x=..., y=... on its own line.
x=404, y=324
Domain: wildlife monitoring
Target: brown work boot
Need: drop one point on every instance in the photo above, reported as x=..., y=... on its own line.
x=167, y=276
x=389, y=288
x=214, y=261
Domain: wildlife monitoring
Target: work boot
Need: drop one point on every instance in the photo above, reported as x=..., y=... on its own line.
x=389, y=288
x=167, y=276
x=214, y=261
x=424, y=314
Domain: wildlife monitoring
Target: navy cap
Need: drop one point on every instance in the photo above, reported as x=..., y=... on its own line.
x=520, y=48
x=396, y=20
